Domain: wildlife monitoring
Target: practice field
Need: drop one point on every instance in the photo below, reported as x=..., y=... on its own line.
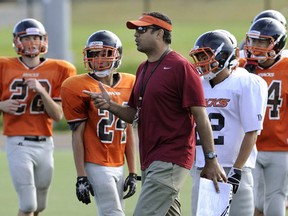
x=62, y=197
x=190, y=19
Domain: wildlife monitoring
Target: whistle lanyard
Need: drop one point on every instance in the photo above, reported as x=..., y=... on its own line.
x=142, y=84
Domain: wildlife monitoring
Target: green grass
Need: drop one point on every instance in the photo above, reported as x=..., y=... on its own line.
x=62, y=198
x=190, y=19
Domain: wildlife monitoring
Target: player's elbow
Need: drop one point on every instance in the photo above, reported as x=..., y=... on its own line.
x=58, y=117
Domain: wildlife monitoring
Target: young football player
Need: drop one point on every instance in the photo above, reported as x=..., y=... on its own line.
x=30, y=101
x=235, y=103
x=101, y=140
x=265, y=41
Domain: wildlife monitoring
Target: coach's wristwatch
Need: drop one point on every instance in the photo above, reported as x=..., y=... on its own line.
x=210, y=155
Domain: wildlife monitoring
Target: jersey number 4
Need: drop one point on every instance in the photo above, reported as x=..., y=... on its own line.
x=105, y=127
x=274, y=102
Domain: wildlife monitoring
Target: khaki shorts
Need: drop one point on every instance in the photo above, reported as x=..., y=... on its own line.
x=161, y=184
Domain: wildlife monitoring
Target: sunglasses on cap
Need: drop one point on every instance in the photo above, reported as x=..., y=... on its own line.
x=143, y=29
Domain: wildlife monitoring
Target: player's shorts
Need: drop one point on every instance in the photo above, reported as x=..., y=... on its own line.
x=31, y=165
x=107, y=183
x=271, y=181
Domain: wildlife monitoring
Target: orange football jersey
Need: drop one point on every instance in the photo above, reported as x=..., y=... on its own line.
x=274, y=136
x=105, y=134
x=30, y=118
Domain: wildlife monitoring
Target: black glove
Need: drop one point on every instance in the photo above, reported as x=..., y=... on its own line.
x=130, y=182
x=251, y=66
x=234, y=177
x=83, y=187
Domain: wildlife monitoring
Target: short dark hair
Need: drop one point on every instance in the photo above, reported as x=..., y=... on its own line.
x=167, y=34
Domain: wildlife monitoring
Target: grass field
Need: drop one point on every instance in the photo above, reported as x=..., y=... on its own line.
x=190, y=19
x=62, y=198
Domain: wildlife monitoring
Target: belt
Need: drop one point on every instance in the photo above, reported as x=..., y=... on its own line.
x=35, y=138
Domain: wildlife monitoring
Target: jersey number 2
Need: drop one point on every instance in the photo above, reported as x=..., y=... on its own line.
x=107, y=120
x=20, y=92
x=217, y=123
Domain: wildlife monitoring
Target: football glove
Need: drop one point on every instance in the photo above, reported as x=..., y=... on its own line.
x=130, y=182
x=234, y=178
x=83, y=187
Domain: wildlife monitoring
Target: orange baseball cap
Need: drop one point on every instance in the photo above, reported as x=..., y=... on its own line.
x=147, y=20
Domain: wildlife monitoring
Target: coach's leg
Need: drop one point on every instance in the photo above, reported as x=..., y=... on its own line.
x=160, y=188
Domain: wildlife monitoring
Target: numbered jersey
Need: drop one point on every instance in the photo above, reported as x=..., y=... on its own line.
x=30, y=118
x=274, y=136
x=234, y=106
x=104, y=134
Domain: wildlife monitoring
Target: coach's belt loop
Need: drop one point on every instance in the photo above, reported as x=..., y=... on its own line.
x=35, y=138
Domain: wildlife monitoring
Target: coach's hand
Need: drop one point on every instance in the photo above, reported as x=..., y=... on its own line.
x=130, y=182
x=234, y=178
x=83, y=187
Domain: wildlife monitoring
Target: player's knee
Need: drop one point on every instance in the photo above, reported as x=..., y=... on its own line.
x=42, y=196
x=27, y=199
x=28, y=208
x=41, y=205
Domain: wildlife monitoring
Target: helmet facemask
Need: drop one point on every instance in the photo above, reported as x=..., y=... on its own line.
x=204, y=60
x=102, y=53
x=258, y=53
x=209, y=63
x=30, y=48
x=265, y=40
x=100, y=59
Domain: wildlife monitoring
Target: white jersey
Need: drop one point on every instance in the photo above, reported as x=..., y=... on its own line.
x=235, y=106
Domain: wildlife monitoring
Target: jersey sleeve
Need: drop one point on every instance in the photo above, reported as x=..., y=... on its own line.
x=193, y=92
x=67, y=70
x=75, y=103
x=253, y=103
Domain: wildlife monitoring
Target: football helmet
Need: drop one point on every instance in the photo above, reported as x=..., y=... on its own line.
x=230, y=36
x=272, y=14
x=102, y=53
x=27, y=27
x=213, y=51
x=267, y=29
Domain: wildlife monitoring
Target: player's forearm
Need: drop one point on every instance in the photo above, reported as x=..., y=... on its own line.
x=246, y=148
x=130, y=151
x=78, y=149
x=125, y=113
x=52, y=108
